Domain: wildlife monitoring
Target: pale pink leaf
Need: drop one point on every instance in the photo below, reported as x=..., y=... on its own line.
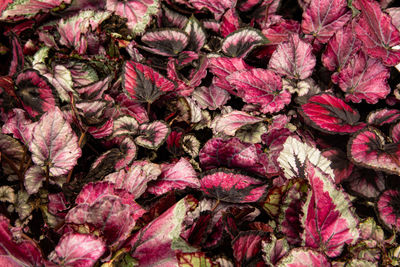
x=294, y=59
x=54, y=144
x=304, y=257
x=229, y=123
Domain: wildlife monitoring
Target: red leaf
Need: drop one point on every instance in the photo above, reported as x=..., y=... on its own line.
x=294, y=59
x=324, y=17
x=376, y=31
x=304, y=257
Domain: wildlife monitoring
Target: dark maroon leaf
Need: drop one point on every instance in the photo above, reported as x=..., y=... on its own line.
x=217, y=8
x=331, y=114
x=144, y=84
x=17, y=63
x=242, y=41
x=36, y=93
x=166, y=42
x=229, y=186
x=366, y=183
x=247, y=248
x=342, y=167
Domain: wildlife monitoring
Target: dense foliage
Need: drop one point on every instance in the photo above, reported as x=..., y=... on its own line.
x=199, y=133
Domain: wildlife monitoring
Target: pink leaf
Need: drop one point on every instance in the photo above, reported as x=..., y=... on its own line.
x=294, y=59
x=328, y=221
x=197, y=36
x=211, y=97
x=378, y=34
x=230, y=22
x=19, y=125
x=54, y=145
x=260, y=86
x=364, y=78
x=29, y=8
x=33, y=179
x=323, y=18
x=388, y=208
x=304, y=257
x=242, y=41
x=383, y=116
x=340, y=49
x=247, y=247
x=217, y=8
x=78, y=250
x=165, y=42
x=174, y=176
x=281, y=30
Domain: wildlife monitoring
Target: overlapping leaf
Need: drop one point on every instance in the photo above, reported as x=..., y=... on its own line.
x=388, y=208
x=228, y=186
x=152, y=135
x=293, y=59
x=262, y=87
x=378, y=34
x=331, y=114
x=323, y=18
x=166, y=42
x=54, y=145
x=29, y=8
x=242, y=41
x=144, y=84
x=231, y=122
x=328, y=221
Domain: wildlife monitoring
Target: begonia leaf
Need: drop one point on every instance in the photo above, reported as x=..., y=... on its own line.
x=369, y=149
x=229, y=123
x=274, y=140
x=395, y=132
x=292, y=159
x=242, y=41
x=364, y=78
x=17, y=63
x=191, y=145
x=34, y=178
x=128, y=150
x=222, y=67
x=19, y=125
x=279, y=31
x=303, y=257
x=273, y=251
x=293, y=59
x=74, y=30
x=174, y=176
x=387, y=206
x=394, y=13
x=136, y=180
x=161, y=237
x=36, y=93
x=54, y=145
x=247, y=247
x=323, y=18
x=7, y=194
x=170, y=18
x=331, y=114
x=197, y=36
x=217, y=8
x=15, y=250
x=228, y=186
x=230, y=22
x=132, y=108
x=383, y=116
x=232, y=153
x=194, y=259
x=143, y=84
x=78, y=250
x=125, y=125
x=328, y=221
x=366, y=183
x=340, y=48
x=210, y=97
x=93, y=90
x=375, y=29
x=260, y=86
x=342, y=167
x=291, y=213
x=166, y=42
x=137, y=12
x=152, y=135
x=29, y=8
